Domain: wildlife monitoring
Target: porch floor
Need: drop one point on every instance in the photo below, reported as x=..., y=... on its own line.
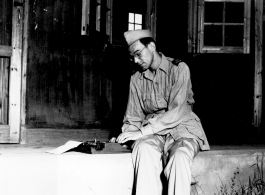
x=29, y=170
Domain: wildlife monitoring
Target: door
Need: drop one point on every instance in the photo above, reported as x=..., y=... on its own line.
x=10, y=69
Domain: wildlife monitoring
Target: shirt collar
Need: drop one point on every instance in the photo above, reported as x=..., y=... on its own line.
x=163, y=66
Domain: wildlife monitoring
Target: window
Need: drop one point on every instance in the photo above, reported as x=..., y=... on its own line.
x=135, y=21
x=113, y=18
x=223, y=26
x=96, y=15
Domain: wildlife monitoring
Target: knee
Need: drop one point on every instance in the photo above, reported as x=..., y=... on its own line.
x=151, y=145
x=142, y=145
x=179, y=155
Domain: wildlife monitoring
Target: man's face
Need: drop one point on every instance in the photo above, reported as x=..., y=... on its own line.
x=141, y=55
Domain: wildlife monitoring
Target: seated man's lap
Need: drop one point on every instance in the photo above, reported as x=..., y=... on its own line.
x=155, y=141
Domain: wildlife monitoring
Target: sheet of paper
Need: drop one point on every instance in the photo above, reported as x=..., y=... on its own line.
x=67, y=146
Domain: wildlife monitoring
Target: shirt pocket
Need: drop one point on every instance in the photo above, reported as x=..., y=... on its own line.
x=161, y=101
x=148, y=106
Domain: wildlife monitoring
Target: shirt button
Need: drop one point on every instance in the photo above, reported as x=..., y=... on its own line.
x=156, y=83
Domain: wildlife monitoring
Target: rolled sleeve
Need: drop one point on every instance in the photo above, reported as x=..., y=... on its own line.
x=147, y=130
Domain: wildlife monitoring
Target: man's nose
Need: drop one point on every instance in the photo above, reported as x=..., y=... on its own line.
x=136, y=60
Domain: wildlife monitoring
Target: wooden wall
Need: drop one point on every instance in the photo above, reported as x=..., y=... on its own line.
x=76, y=81
x=69, y=76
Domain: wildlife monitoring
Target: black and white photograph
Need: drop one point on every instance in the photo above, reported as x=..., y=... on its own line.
x=132, y=97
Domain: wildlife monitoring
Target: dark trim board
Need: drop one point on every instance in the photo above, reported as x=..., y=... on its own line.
x=60, y=136
x=5, y=51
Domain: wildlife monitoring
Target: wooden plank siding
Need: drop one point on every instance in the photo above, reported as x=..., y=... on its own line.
x=5, y=54
x=4, y=87
x=68, y=81
x=61, y=136
x=4, y=133
x=24, y=62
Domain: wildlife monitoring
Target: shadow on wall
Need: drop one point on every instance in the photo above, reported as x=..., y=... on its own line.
x=223, y=93
x=120, y=69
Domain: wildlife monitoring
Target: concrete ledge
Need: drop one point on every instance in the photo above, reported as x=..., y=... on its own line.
x=33, y=171
x=228, y=167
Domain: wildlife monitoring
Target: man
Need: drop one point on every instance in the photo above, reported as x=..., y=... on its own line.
x=159, y=117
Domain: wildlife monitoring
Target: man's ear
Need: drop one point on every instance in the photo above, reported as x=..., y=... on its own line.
x=151, y=46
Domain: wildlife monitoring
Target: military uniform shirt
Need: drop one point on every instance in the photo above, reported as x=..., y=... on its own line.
x=160, y=102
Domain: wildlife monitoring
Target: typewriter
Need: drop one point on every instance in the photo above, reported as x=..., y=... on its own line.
x=98, y=147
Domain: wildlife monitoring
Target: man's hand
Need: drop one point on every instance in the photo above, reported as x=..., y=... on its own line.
x=129, y=135
x=112, y=140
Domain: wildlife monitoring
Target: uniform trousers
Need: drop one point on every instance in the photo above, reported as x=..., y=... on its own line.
x=155, y=155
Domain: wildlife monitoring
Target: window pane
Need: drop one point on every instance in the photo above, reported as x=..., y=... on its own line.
x=138, y=26
x=234, y=36
x=138, y=18
x=131, y=17
x=131, y=27
x=234, y=12
x=212, y=35
x=213, y=12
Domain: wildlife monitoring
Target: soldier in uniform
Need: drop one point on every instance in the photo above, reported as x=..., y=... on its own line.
x=159, y=117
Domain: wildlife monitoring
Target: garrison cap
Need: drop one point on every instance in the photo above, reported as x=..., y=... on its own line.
x=132, y=36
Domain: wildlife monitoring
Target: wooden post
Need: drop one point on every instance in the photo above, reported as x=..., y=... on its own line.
x=246, y=41
x=85, y=17
x=200, y=26
x=258, y=63
x=15, y=72
x=109, y=19
x=151, y=16
x=98, y=15
x=24, y=70
x=192, y=25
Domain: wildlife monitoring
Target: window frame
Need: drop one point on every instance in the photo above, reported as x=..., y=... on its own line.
x=101, y=11
x=134, y=20
x=196, y=29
